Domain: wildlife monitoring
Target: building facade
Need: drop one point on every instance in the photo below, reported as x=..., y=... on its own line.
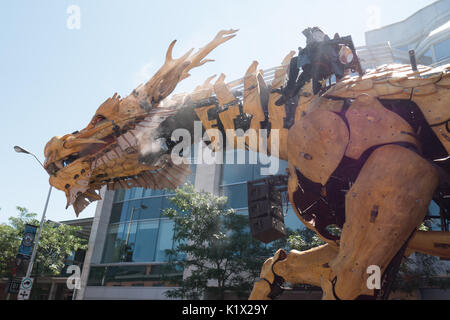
x=427, y=32
x=50, y=287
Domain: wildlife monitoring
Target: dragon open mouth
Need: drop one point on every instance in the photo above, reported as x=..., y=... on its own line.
x=90, y=150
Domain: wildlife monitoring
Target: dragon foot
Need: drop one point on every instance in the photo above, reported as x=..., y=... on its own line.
x=269, y=285
x=298, y=267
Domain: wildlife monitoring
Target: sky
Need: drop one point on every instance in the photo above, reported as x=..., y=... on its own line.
x=55, y=69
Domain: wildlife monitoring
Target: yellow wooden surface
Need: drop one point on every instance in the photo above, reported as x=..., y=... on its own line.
x=307, y=267
x=371, y=124
x=202, y=114
x=317, y=143
x=261, y=288
x=321, y=103
x=392, y=82
x=436, y=243
x=278, y=113
x=436, y=109
x=252, y=103
x=226, y=117
x=384, y=206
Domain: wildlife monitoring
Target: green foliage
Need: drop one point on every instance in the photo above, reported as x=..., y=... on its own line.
x=214, y=244
x=55, y=244
x=304, y=240
x=421, y=271
x=9, y=244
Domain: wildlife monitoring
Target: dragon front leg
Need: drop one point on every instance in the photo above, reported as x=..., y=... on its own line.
x=306, y=267
x=384, y=207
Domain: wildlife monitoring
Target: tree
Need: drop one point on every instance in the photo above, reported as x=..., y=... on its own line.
x=214, y=244
x=421, y=271
x=9, y=244
x=303, y=240
x=56, y=243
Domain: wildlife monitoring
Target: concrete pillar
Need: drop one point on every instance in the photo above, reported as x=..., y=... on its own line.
x=97, y=237
x=207, y=178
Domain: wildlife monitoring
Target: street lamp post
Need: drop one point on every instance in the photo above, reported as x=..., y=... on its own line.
x=33, y=254
x=36, y=243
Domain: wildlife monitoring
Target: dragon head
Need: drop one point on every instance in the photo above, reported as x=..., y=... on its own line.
x=107, y=151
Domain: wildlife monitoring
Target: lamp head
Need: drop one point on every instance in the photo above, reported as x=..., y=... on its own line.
x=20, y=150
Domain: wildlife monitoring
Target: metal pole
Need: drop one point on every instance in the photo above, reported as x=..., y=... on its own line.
x=33, y=255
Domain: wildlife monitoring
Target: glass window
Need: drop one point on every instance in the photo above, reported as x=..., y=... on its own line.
x=165, y=240
x=134, y=210
x=442, y=50
x=114, y=243
x=233, y=173
x=152, y=192
x=152, y=208
x=124, y=216
x=116, y=212
x=191, y=178
x=127, y=195
x=144, y=240
x=136, y=193
x=125, y=211
x=129, y=241
x=133, y=193
x=257, y=172
x=136, y=233
x=427, y=58
x=148, y=275
x=96, y=276
x=237, y=195
x=282, y=165
x=119, y=195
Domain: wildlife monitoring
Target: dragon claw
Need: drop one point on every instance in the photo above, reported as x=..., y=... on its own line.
x=269, y=285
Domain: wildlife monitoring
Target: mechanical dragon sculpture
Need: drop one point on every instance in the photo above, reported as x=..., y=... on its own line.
x=366, y=154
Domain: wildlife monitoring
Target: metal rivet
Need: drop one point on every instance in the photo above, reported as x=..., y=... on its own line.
x=307, y=156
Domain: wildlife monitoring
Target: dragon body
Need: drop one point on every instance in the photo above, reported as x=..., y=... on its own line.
x=366, y=154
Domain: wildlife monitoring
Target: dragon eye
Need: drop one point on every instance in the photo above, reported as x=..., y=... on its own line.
x=97, y=119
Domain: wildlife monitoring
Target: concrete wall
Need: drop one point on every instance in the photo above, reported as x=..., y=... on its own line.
x=97, y=238
x=434, y=294
x=126, y=293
